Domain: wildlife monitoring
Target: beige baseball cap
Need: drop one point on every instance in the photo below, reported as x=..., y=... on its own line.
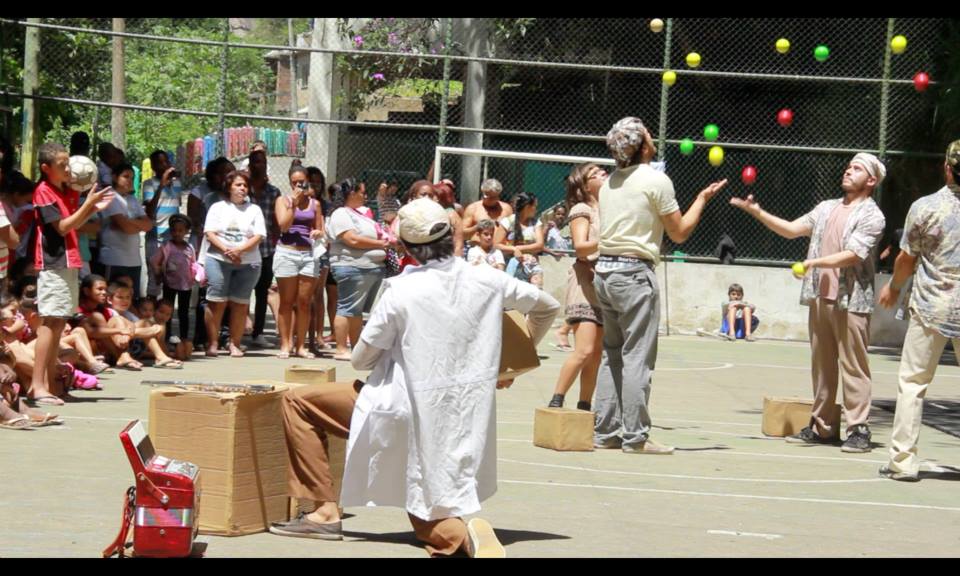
x=418, y=218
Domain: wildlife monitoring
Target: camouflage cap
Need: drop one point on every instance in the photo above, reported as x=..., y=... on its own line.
x=953, y=154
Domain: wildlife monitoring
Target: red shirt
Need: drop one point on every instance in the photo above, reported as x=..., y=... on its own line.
x=51, y=251
x=107, y=312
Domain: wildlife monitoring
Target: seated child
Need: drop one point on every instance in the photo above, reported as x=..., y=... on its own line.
x=103, y=326
x=14, y=412
x=483, y=252
x=738, y=316
x=121, y=299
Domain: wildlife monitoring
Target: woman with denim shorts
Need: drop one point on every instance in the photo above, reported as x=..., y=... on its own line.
x=357, y=253
x=233, y=229
x=301, y=222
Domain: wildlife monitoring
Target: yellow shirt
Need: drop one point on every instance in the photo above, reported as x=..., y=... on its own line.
x=631, y=203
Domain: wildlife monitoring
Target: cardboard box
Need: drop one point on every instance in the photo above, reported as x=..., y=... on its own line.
x=787, y=416
x=518, y=355
x=237, y=440
x=563, y=429
x=305, y=374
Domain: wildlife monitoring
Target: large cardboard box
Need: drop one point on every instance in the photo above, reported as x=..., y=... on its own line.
x=787, y=416
x=238, y=442
x=306, y=374
x=563, y=429
x=518, y=355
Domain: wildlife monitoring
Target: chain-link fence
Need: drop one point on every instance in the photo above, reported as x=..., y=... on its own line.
x=371, y=98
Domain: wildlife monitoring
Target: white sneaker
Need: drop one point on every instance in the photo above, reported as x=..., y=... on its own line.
x=482, y=541
x=174, y=340
x=261, y=342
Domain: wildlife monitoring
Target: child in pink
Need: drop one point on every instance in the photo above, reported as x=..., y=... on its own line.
x=174, y=263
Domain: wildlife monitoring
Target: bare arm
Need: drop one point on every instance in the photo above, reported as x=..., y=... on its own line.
x=580, y=230
x=679, y=226
x=903, y=268
x=91, y=227
x=457, y=224
x=9, y=237
x=779, y=226
x=354, y=240
x=841, y=259
x=131, y=225
x=536, y=247
x=469, y=223
x=540, y=317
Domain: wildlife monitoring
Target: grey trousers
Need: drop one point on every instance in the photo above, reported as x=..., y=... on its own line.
x=630, y=301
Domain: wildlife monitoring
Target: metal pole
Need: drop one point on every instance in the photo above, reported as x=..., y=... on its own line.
x=222, y=91
x=664, y=89
x=884, y=101
x=442, y=138
x=118, y=127
x=293, y=72
x=31, y=79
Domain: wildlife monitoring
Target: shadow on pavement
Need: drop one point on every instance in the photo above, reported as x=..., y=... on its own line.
x=942, y=415
x=506, y=537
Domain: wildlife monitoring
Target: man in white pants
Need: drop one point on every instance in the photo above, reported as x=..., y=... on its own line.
x=929, y=247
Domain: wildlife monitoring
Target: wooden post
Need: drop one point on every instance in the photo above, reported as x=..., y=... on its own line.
x=31, y=79
x=118, y=126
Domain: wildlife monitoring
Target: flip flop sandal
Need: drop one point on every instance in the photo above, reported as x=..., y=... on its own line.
x=307, y=355
x=100, y=367
x=169, y=364
x=131, y=366
x=341, y=358
x=46, y=401
x=21, y=423
x=47, y=419
x=283, y=355
x=563, y=348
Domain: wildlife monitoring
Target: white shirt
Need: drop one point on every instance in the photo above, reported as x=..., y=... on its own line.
x=476, y=255
x=423, y=432
x=235, y=225
x=120, y=248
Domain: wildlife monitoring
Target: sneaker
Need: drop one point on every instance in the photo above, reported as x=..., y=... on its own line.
x=583, y=405
x=807, y=436
x=750, y=338
x=858, y=440
x=901, y=476
x=611, y=443
x=174, y=340
x=482, y=541
x=556, y=401
x=648, y=447
x=301, y=527
x=261, y=342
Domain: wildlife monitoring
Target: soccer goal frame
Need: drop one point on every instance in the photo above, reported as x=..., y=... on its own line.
x=482, y=153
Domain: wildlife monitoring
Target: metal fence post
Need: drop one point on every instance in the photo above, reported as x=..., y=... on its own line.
x=222, y=90
x=884, y=102
x=662, y=141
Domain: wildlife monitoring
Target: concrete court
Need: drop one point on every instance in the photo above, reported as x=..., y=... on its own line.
x=728, y=491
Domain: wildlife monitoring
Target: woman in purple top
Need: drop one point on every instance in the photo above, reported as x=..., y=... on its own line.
x=301, y=221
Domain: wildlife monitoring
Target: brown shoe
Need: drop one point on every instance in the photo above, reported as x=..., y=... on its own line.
x=648, y=447
x=482, y=541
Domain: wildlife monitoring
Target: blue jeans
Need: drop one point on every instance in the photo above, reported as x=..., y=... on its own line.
x=354, y=287
x=228, y=281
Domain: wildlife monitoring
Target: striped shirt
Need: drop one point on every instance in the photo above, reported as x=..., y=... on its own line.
x=167, y=206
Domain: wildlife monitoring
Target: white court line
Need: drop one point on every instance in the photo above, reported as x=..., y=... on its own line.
x=730, y=495
x=748, y=454
x=748, y=534
x=66, y=416
x=688, y=477
x=722, y=366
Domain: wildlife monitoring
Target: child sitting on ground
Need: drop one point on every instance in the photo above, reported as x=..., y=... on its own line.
x=121, y=299
x=738, y=316
x=483, y=252
x=103, y=325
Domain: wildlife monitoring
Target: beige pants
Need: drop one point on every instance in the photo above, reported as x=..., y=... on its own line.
x=309, y=414
x=922, y=349
x=838, y=342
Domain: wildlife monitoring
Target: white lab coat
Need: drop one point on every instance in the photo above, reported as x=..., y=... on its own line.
x=423, y=432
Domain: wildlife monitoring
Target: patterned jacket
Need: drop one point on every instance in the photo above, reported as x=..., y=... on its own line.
x=861, y=234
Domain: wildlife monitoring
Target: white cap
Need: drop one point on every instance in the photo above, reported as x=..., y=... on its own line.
x=418, y=218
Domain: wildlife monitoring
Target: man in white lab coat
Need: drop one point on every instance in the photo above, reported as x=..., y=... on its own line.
x=422, y=431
